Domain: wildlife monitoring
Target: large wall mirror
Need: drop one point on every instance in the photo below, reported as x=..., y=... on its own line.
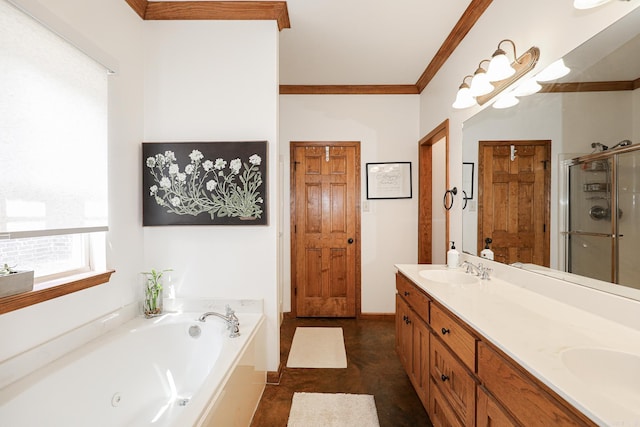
x=596, y=105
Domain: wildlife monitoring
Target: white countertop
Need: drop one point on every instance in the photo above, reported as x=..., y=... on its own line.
x=535, y=330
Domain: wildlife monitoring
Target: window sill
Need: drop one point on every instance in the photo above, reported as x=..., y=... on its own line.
x=53, y=289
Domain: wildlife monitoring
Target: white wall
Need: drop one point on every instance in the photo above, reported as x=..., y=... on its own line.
x=387, y=128
x=92, y=22
x=556, y=33
x=216, y=81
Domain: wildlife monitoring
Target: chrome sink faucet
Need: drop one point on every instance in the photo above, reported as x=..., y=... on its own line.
x=478, y=270
x=230, y=318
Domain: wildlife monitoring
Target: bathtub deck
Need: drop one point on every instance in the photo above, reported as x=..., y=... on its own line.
x=372, y=368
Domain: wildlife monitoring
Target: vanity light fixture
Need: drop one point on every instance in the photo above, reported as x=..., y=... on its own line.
x=464, y=99
x=528, y=87
x=500, y=67
x=483, y=90
x=554, y=71
x=480, y=84
x=589, y=4
x=505, y=101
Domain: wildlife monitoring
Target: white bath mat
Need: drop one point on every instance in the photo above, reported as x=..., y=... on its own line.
x=317, y=348
x=333, y=410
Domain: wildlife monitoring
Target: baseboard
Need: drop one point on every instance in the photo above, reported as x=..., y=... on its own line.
x=273, y=377
x=389, y=317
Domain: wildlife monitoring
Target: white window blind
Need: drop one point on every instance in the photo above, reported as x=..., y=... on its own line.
x=53, y=132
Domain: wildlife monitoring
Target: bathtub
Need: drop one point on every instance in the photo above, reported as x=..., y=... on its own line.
x=168, y=371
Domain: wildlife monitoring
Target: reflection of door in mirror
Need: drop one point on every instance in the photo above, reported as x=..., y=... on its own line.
x=514, y=200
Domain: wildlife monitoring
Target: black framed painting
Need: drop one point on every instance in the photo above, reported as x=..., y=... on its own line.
x=204, y=183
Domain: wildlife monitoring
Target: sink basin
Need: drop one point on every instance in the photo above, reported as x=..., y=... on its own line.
x=614, y=373
x=453, y=277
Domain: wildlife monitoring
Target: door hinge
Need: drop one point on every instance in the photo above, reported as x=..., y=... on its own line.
x=295, y=229
x=544, y=228
x=295, y=291
x=295, y=166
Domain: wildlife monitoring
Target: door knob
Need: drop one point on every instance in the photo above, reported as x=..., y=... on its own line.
x=350, y=240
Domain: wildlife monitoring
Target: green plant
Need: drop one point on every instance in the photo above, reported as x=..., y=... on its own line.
x=6, y=270
x=153, y=291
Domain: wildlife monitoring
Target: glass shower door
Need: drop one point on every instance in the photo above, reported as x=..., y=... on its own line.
x=590, y=243
x=629, y=220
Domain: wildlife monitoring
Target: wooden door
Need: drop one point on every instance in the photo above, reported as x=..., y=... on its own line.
x=514, y=200
x=325, y=236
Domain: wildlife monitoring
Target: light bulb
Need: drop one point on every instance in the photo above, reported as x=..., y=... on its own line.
x=480, y=83
x=526, y=88
x=506, y=101
x=464, y=98
x=499, y=68
x=554, y=71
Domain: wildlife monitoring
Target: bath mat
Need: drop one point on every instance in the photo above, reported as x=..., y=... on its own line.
x=317, y=348
x=333, y=410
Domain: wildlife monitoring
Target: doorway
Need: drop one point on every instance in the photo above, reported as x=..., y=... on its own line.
x=514, y=184
x=433, y=149
x=325, y=229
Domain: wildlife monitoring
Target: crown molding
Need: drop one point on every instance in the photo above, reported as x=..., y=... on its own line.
x=348, y=90
x=212, y=10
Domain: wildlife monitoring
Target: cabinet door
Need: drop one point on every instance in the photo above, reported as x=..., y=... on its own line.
x=420, y=371
x=404, y=334
x=453, y=380
x=490, y=413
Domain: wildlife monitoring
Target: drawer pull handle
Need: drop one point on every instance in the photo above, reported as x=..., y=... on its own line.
x=444, y=332
x=406, y=293
x=443, y=377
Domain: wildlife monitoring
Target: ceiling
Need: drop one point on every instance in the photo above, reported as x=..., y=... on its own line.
x=363, y=42
x=397, y=46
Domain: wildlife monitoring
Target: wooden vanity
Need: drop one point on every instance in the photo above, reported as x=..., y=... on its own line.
x=461, y=377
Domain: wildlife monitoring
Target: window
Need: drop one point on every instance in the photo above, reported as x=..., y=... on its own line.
x=53, y=140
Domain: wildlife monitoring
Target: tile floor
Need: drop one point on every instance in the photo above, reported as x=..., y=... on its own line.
x=372, y=368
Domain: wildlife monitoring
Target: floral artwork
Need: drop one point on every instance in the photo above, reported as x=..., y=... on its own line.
x=204, y=183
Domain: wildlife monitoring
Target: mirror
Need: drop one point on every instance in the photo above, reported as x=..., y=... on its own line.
x=569, y=121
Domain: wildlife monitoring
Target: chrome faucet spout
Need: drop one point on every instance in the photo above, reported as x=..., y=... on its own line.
x=478, y=270
x=230, y=318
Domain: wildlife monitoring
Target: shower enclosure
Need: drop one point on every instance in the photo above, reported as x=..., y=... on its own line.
x=599, y=243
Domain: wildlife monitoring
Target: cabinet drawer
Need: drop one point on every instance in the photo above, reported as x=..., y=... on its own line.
x=462, y=342
x=521, y=394
x=440, y=413
x=414, y=297
x=454, y=381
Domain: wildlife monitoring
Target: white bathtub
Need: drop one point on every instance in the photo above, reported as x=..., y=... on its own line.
x=148, y=372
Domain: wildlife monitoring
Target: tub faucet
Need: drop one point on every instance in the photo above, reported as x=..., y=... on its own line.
x=479, y=270
x=230, y=318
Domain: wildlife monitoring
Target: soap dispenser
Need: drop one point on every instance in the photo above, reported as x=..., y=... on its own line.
x=452, y=256
x=486, y=252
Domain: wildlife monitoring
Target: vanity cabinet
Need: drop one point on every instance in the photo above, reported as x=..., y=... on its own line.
x=461, y=378
x=413, y=335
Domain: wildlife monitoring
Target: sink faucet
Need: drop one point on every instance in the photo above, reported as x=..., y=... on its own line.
x=479, y=270
x=230, y=318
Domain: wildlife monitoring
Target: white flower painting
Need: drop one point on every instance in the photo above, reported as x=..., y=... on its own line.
x=204, y=183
